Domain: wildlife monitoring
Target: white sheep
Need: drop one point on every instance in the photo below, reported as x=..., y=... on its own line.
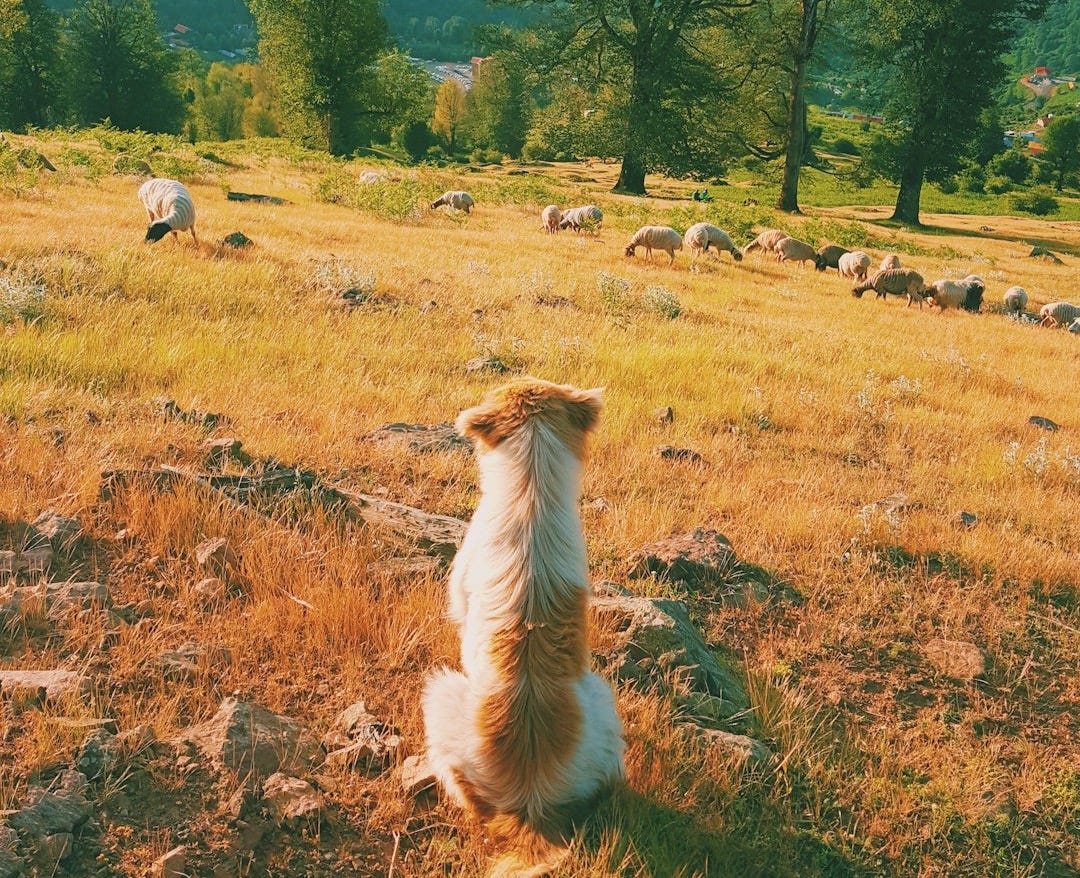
x=700, y=236
x=790, y=249
x=370, y=177
x=894, y=281
x=1058, y=314
x=550, y=217
x=854, y=265
x=946, y=294
x=890, y=261
x=655, y=238
x=588, y=216
x=455, y=199
x=1015, y=300
x=765, y=241
x=169, y=208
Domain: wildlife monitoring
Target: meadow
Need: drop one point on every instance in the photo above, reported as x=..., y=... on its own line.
x=840, y=441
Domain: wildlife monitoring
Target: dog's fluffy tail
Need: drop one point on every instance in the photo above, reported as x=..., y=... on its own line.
x=533, y=849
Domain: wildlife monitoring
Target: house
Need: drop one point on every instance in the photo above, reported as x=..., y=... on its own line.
x=1043, y=121
x=477, y=63
x=182, y=29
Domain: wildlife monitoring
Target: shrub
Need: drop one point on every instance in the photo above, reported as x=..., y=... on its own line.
x=998, y=185
x=613, y=292
x=662, y=301
x=972, y=179
x=1035, y=203
x=843, y=146
x=949, y=186
x=21, y=298
x=1013, y=165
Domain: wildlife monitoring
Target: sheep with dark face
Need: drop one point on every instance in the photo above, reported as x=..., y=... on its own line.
x=700, y=236
x=894, y=282
x=831, y=254
x=455, y=199
x=793, y=250
x=655, y=238
x=974, y=288
x=169, y=208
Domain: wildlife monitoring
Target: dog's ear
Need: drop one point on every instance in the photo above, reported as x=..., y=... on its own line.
x=482, y=423
x=584, y=407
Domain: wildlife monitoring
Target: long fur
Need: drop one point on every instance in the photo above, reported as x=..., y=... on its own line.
x=169, y=208
x=525, y=734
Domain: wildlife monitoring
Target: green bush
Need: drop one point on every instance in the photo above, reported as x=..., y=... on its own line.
x=1013, y=165
x=972, y=179
x=949, y=186
x=998, y=185
x=1035, y=203
x=843, y=146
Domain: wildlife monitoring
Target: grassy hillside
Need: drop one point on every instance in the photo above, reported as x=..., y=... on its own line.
x=841, y=440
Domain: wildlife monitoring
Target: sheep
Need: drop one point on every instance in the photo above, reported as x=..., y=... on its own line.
x=946, y=294
x=1015, y=300
x=1075, y=325
x=1058, y=314
x=169, y=208
x=588, y=216
x=455, y=199
x=854, y=265
x=370, y=177
x=897, y=281
x=793, y=250
x=974, y=287
x=655, y=238
x=550, y=217
x=890, y=261
x=831, y=254
x=765, y=241
x=700, y=236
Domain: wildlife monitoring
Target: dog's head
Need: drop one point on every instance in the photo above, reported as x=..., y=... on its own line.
x=569, y=412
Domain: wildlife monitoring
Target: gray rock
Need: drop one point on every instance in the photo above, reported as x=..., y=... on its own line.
x=252, y=741
x=51, y=813
x=97, y=755
x=291, y=798
x=136, y=739
x=38, y=687
x=741, y=750
x=209, y=591
x=214, y=553
x=171, y=865
x=57, y=529
x=700, y=559
x=956, y=658
x=670, y=452
x=421, y=438
x=664, y=415
x=35, y=560
x=360, y=740
x=236, y=241
x=1043, y=423
x=52, y=849
x=221, y=451
x=969, y=519
x=11, y=866
x=653, y=639
x=416, y=776
x=183, y=662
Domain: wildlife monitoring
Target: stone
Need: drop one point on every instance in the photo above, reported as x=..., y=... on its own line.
x=416, y=776
x=8, y=562
x=654, y=639
x=969, y=519
x=670, y=452
x=35, y=560
x=57, y=529
x=97, y=755
x=956, y=658
x=699, y=559
x=1045, y=255
x=222, y=450
x=291, y=798
x=742, y=751
x=236, y=241
x=1043, y=423
x=214, y=553
x=45, y=686
x=421, y=438
x=358, y=739
x=11, y=866
x=64, y=598
x=136, y=739
x=51, y=813
x=209, y=591
x=171, y=865
x=54, y=848
x=607, y=588
x=252, y=741
x=664, y=415
x=183, y=662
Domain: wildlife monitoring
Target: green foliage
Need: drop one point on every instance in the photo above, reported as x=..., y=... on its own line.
x=416, y=139
x=499, y=106
x=397, y=201
x=1036, y=203
x=31, y=91
x=1061, y=148
x=1014, y=165
x=401, y=101
x=843, y=146
x=661, y=301
x=1052, y=42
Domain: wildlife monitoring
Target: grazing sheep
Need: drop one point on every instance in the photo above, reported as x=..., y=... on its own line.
x=974, y=287
x=550, y=217
x=793, y=250
x=890, y=261
x=1015, y=300
x=1075, y=325
x=1058, y=314
x=831, y=255
x=765, y=241
x=370, y=177
x=700, y=236
x=456, y=200
x=655, y=238
x=893, y=281
x=169, y=208
x=946, y=294
x=588, y=216
x=854, y=265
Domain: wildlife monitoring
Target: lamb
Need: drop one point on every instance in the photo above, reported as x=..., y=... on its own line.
x=793, y=250
x=550, y=217
x=831, y=254
x=1058, y=314
x=655, y=238
x=455, y=199
x=765, y=241
x=1015, y=300
x=169, y=208
x=894, y=281
x=588, y=216
x=700, y=236
x=854, y=265
x=890, y=261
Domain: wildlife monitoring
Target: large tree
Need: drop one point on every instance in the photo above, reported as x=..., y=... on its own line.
x=30, y=92
x=321, y=54
x=941, y=61
x=1061, y=148
x=499, y=106
x=449, y=112
x=119, y=68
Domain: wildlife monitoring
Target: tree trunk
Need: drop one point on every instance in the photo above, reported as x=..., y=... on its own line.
x=796, y=140
x=632, y=173
x=911, y=181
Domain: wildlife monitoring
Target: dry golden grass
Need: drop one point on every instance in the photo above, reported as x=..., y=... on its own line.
x=808, y=407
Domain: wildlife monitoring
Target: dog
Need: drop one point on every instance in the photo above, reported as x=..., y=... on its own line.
x=526, y=738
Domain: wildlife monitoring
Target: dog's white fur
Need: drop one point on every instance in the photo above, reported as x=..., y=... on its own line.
x=523, y=558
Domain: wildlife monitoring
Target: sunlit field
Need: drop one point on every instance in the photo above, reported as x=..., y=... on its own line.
x=840, y=441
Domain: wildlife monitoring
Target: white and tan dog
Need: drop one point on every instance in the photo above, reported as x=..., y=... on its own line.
x=526, y=735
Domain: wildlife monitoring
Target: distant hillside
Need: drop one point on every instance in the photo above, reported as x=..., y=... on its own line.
x=445, y=30
x=1053, y=42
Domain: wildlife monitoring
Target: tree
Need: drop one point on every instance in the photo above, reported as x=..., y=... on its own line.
x=499, y=106
x=119, y=67
x=940, y=60
x=321, y=55
x=449, y=112
x=402, y=95
x=1061, y=147
x=221, y=99
x=30, y=92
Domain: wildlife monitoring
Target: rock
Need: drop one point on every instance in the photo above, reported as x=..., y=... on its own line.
x=1043, y=423
x=1045, y=255
x=486, y=364
x=253, y=742
x=11, y=866
x=9, y=561
x=221, y=451
x=54, y=848
x=52, y=813
x=33, y=688
x=57, y=529
x=58, y=599
x=700, y=559
x=670, y=452
x=97, y=755
x=969, y=519
x=236, y=240
x=209, y=591
x=664, y=415
x=359, y=740
x=429, y=305
x=183, y=662
x=416, y=776
x=35, y=560
x=136, y=739
x=607, y=588
x=291, y=798
x=214, y=553
x=956, y=658
x=171, y=865
x=741, y=750
x=421, y=437
x=654, y=639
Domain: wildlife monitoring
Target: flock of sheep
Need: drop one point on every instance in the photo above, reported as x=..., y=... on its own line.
x=170, y=208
